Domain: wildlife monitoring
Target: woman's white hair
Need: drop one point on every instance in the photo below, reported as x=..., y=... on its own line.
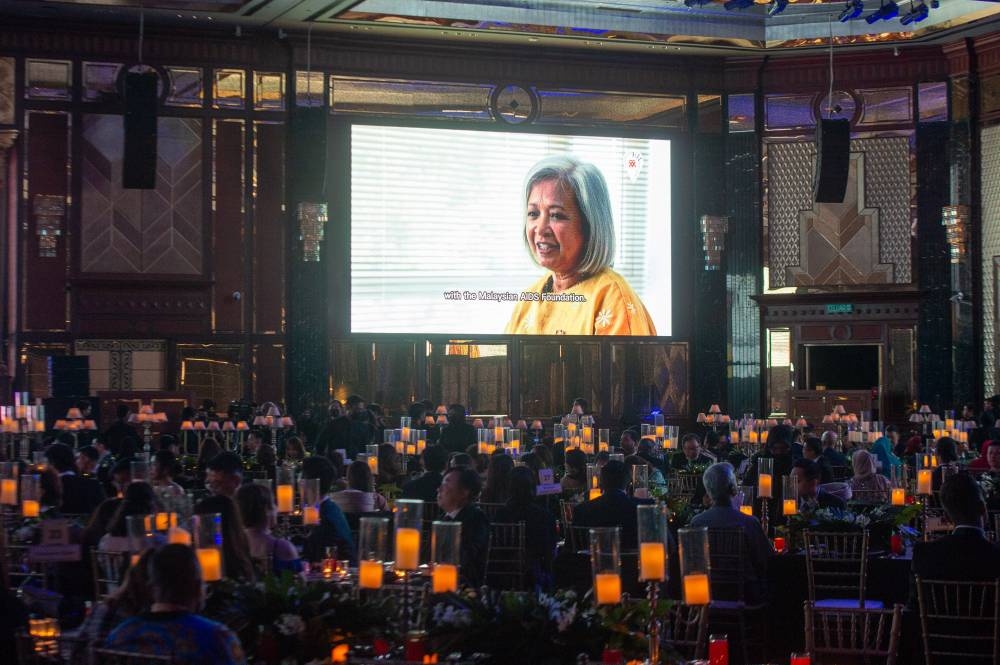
x=591, y=191
x=720, y=482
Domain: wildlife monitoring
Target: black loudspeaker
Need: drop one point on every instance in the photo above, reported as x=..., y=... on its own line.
x=69, y=376
x=833, y=156
x=307, y=164
x=139, y=165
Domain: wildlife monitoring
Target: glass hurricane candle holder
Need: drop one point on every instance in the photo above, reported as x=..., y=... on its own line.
x=652, y=532
x=673, y=433
x=208, y=545
x=8, y=483
x=373, y=539
x=284, y=489
x=372, y=451
x=310, y=497
x=140, y=530
x=140, y=471
x=405, y=424
x=31, y=496
x=593, y=482
x=693, y=544
x=446, y=548
x=408, y=522
x=746, y=497
x=605, y=561
x=514, y=440
x=789, y=495
x=765, y=477
x=483, y=441
x=640, y=481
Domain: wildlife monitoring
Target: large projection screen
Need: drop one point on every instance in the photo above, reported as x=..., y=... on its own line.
x=439, y=220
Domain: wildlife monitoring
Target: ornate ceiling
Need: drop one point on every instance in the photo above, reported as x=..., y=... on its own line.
x=728, y=27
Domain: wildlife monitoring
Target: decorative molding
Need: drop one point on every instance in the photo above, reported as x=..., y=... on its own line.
x=7, y=139
x=6, y=93
x=897, y=311
x=120, y=345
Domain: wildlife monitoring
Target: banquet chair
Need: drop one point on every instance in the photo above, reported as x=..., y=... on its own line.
x=837, y=569
x=490, y=509
x=578, y=538
x=959, y=621
x=685, y=629
x=505, y=557
x=869, y=496
x=20, y=570
x=728, y=562
x=834, y=635
x=841, y=473
x=117, y=657
x=108, y=570
x=682, y=485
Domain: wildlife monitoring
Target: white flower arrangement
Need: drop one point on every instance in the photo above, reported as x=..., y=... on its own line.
x=290, y=624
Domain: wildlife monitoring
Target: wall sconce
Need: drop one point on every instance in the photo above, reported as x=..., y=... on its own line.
x=955, y=220
x=713, y=232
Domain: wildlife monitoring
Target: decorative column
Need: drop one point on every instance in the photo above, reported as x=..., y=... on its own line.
x=8, y=263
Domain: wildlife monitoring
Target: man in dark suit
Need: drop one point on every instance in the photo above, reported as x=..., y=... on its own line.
x=811, y=495
x=458, y=490
x=119, y=430
x=832, y=455
x=79, y=494
x=434, y=459
x=457, y=435
x=613, y=507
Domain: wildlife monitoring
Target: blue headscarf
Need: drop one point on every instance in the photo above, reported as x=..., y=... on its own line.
x=882, y=449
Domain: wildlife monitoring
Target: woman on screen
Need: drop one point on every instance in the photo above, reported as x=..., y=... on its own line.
x=569, y=231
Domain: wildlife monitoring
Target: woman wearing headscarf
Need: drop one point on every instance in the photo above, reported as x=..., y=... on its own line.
x=981, y=463
x=882, y=450
x=865, y=479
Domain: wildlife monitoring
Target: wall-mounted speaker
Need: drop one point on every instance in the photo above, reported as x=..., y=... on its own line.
x=139, y=164
x=833, y=157
x=307, y=164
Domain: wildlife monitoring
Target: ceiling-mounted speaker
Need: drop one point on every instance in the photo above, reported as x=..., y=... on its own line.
x=139, y=163
x=833, y=157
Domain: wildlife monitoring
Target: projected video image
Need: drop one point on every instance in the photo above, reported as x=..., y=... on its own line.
x=465, y=232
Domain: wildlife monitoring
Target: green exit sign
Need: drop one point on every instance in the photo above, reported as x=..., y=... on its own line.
x=840, y=308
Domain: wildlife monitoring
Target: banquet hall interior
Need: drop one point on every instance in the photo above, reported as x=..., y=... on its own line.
x=474, y=331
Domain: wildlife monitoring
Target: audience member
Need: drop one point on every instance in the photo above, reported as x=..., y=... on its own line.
x=812, y=449
x=333, y=530
x=497, y=486
x=139, y=499
x=574, y=480
x=690, y=458
x=236, y=561
x=882, y=449
x=256, y=504
x=360, y=495
x=434, y=458
x=79, y=494
x=133, y=598
x=613, y=508
x=811, y=495
x=866, y=479
x=457, y=435
x=162, y=473
x=456, y=498
x=833, y=457
x=224, y=474
x=539, y=525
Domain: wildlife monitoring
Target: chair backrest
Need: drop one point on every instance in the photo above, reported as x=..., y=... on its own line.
x=837, y=565
x=116, y=657
x=20, y=568
x=836, y=634
x=727, y=559
x=840, y=473
x=108, y=570
x=577, y=538
x=505, y=558
x=869, y=496
x=959, y=620
x=682, y=485
x=686, y=629
x=490, y=509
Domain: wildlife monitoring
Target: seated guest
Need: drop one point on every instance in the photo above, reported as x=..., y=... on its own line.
x=812, y=449
x=295, y=451
x=690, y=457
x=209, y=450
x=811, y=495
x=360, y=495
x=882, y=449
x=982, y=463
x=629, y=442
x=131, y=599
x=457, y=435
x=613, y=507
x=332, y=530
x=256, y=504
x=79, y=494
x=865, y=478
x=653, y=475
x=170, y=443
x=105, y=462
x=833, y=457
x=236, y=563
x=390, y=469
x=575, y=478
x=459, y=461
x=162, y=471
x=720, y=485
x=497, y=486
x=224, y=474
x=139, y=499
x=86, y=461
x=265, y=461
x=649, y=451
x=966, y=554
x=433, y=459
x=947, y=456
x=539, y=525
x=456, y=498
x=171, y=627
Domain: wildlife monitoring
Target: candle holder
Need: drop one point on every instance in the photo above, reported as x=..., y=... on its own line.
x=603, y=440
x=652, y=536
x=408, y=523
x=514, y=441
x=640, y=481
x=31, y=496
x=373, y=537
x=140, y=530
x=140, y=471
x=789, y=496
x=695, y=567
x=309, y=495
x=446, y=549
x=765, y=489
x=284, y=489
x=558, y=434
x=746, y=500
x=593, y=482
x=208, y=545
x=605, y=561
x=372, y=451
x=483, y=441
x=8, y=483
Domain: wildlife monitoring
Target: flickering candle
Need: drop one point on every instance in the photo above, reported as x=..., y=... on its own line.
x=747, y=510
x=210, y=560
x=373, y=464
x=608, y=588
x=30, y=508
x=445, y=578
x=788, y=507
x=696, y=589
x=370, y=574
x=898, y=496
x=178, y=536
x=8, y=491
x=165, y=520
x=764, y=485
x=339, y=653
x=652, y=562
x=407, y=549
x=310, y=515
x=285, y=494
x=924, y=481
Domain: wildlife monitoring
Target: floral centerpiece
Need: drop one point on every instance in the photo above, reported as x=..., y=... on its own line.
x=880, y=521
x=990, y=484
x=291, y=621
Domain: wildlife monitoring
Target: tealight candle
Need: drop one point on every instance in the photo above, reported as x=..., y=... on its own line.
x=285, y=495
x=764, y=485
x=788, y=507
x=370, y=574
x=608, y=588
x=924, y=481
x=310, y=515
x=898, y=496
x=445, y=578
x=652, y=562
x=373, y=464
x=165, y=520
x=339, y=653
x=211, y=564
x=747, y=510
x=8, y=492
x=30, y=508
x=696, y=589
x=407, y=548
x=178, y=536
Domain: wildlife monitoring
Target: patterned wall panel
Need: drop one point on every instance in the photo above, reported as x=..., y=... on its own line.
x=142, y=231
x=990, y=190
x=864, y=240
x=6, y=91
x=125, y=365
